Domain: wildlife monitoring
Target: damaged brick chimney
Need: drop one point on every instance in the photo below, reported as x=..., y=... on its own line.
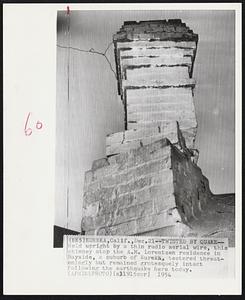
x=149, y=183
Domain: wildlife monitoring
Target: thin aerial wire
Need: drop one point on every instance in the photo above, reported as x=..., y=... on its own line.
x=92, y=51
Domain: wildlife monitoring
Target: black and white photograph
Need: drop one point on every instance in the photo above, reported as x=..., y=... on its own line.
x=145, y=124
x=122, y=149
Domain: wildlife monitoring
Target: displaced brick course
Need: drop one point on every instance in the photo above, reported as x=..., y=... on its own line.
x=149, y=183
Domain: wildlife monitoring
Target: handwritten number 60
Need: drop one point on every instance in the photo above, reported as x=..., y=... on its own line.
x=28, y=130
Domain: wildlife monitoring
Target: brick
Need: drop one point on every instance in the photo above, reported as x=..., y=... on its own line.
x=162, y=177
x=154, y=173
x=91, y=210
x=146, y=132
x=153, y=124
x=143, y=154
x=154, y=166
x=99, y=163
x=88, y=177
x=149, y=44
x=151, y=23
x=163, y=30
x=108, y=181
x=158, y=61
x=137, y=52
x=143, y=169
x=102, y=194
x=91, y=223
x=131, y=135
x=172, y=136
x=119, y=36
x=132, y=198
x=160, y=79
x=161, y=195
x=122, y=147
x=135, y=185
x=87, y=223
x=149, y=160
x=105, y=171
x=92, y=186
x=131, y=145
x=156, y=93
x=108, y=206
x=164, y=202
x=132, y=212
x=189, y=187
x=165, y=106
x=128, y=228
x=153, y=151
x=158, y=99
x=152, y=222
x=176, y=230
x=141, y=36
x=144, y=195
x=190, y=136
x=115, y=138
x=157, y=83
x=160, y=73
x=162, y=115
